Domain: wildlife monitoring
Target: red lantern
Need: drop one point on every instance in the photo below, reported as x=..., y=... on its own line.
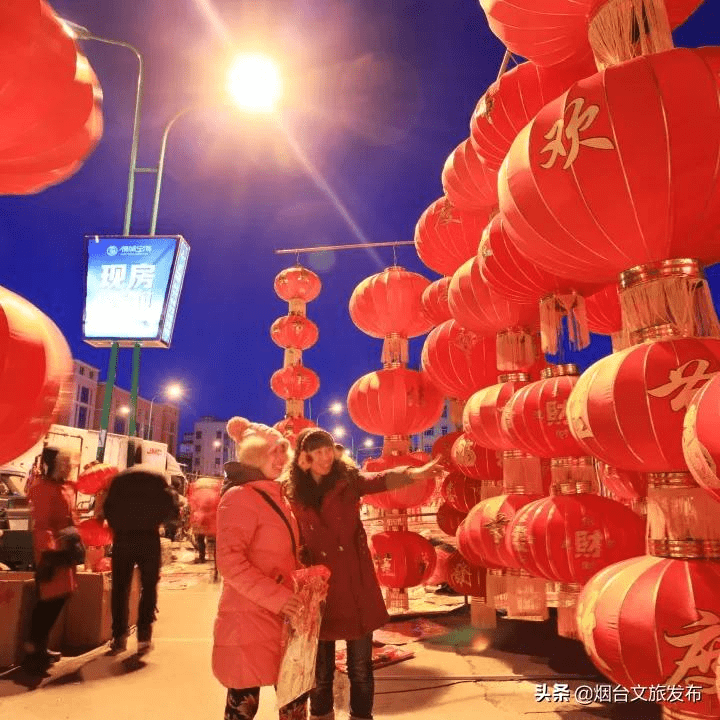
x=461, y=492
x=483, y=412
x=617, y=129
x=34, y=376
x=476, y=461
x=459, y=361
x=297, y=283
x=395, y=401
x=204, y=501
x=294, y=331
x=469, y=182
x=535, y=419
x=568, y=538
x=671, y=606
x=409, y=496
x=603, y=311
x=623, y=484
x=464, y=578
x=449, y=519
x=402, y=559
x=464, y=546
x=446, y=237
x=435, y=301
x=442, y=448
x=701, y=445
x=294, y=382
x=290, y=427
x=96, y=476
x=628, y=408
x=95, y=533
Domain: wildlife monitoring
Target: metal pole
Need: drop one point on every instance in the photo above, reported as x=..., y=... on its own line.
x=354, y=246
x=109, y=385
x=134, y=389
x=505, y=62
x=150, y=427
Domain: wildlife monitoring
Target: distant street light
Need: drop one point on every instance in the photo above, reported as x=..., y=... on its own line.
x=339, y=431
x=217, y=444
x=124, y=410
x=368, y=443
x=174, y=391
x=335, y=408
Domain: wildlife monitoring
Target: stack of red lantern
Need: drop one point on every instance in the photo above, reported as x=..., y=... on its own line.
x=295, y=332
x=95, y=479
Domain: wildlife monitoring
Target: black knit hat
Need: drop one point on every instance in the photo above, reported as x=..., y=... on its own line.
x=316, y=438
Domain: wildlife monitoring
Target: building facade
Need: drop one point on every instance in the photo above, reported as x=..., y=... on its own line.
x=425, y=440
x=212, y=447
x=80, y=411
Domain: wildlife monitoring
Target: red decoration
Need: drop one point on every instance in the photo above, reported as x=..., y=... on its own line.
x=626, y=128
x=469, y=182
x=96, y=476
x=449, y=519
x=442, y=448
x=459, y=361
x=461, y=492
x=623, y=484
x=290, y=427
x=701, y=444
x=95, y=533
x=294, y=382
x=34, y=376
x=476, y=461
x=446, y=237
x=395, y=401
x=483, y=412
x=297, y=283
x=435, y=301
x=464, y=546
x=464, y=578
x=410, y=496
x=568, y=538
x=628, y=408
x=294, y=331
x=204, y=499
x=402, y=559
x=671, y=606
x=603, y=311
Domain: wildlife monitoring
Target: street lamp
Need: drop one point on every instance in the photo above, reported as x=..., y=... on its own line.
x=340, y=432
x=172, y=392
x=368, y=443
x=335, y=408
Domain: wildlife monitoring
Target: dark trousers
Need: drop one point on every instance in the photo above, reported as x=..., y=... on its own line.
x=360, y=674
x=201, y=546
x=243, y=705
x=143, y=551
x=44, y=615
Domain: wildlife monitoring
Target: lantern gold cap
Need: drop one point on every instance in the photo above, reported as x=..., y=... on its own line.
x=675, y=268
x=568, y=369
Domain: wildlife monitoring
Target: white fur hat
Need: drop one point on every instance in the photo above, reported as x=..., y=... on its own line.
x=254, y=441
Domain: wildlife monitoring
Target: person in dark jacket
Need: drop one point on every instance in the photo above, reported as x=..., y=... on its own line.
x=325, y=493
x=137, y=503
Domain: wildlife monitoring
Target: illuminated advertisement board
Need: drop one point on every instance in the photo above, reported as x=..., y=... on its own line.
x=132, y=289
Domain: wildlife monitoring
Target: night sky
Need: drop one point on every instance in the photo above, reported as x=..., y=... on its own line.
x=377, y=95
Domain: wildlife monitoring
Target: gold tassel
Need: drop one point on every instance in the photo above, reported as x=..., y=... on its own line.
x=620, y=340
x=526, y=597
x=496, y=589
x=490, y=490
x=394, y=351
x=394, y=520
x=573, y=475
x=396, y=445
x=292, y=356
x=297, y=307
x=522, y=473
x=482, y=615
x=515, y=350
x=397, y=600
x=294, y=408
x=568, y=596
x=455, y=412
x=556, y=308
x=551, y=593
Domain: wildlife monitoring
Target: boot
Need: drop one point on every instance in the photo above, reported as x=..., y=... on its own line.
x=144, y=637
x=326, y=716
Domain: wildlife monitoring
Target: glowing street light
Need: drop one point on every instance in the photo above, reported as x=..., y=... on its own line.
x=335, y=408
x=368, y=443
x=174, y=391
x=254, y=83
x=124, y=410
x=339, y=431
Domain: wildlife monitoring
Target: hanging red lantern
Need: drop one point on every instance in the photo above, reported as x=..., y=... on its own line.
x=475, y=460
x=701, y=445
x=297, y=283
x=483, y=412
x=294, y=331
x=446, y=237
x=449, y=519
x=459, y=361
x=294, y=382
x=442, y=448
x=290, y=427
x=671, y=606
x=603, y=311
x=464, y=578
x=394, y=401
x=95, y=533
x=410, y=496
x=623, y=484
x=553, y=187
x=628, y=408
x=461, y=492
x=568, y=538
x=35, y=374
x=434, y=301
x=464, y=546
x=402, y=559
x=96, y=476
x=468, y=181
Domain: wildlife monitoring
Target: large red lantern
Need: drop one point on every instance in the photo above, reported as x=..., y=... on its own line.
x=294, y=331
x=671, y=606
x=623, y=484
x=603, y=311
x=628, y=408
x=435, y=301
x=465, y=578
x=442, y=448
x=295, y=382
x=402, y=559
x=96, y=476
x=446, y=237
x=449, y=519
x=461, y=492
x=655, y=117
x=469, y=182
x=475, y=460
x=458, y=360
x=568, y=538
x=290, y=427
x=394, y=401
x=410, y=496
x=297, y=283
x=95, y=533
x=35, y=374
x=701, y=443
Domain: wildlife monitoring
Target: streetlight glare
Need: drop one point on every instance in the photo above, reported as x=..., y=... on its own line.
x=368, y=443
x=336, y=408
x=124, y=410
x=254, y=82
x=174, y=391
x=339, y=431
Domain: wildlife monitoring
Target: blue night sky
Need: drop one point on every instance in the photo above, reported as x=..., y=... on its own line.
x=378, y=94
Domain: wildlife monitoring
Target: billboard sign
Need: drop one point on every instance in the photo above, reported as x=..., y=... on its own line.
x=132, y=289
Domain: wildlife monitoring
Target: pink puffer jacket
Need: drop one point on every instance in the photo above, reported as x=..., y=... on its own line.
x=255, y=557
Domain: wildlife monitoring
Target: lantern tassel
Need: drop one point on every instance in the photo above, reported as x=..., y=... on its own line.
x=294, y=408
x=482, y=615
x=620, y=340
x=515, y=350
x=526, y=597
x=297, y=307
x=497, y=589
x=573, y=475
x=557, y=311
x=490, y=489
x=395, y=350
x=682, y=513
x=522, y=473
x=568, y=595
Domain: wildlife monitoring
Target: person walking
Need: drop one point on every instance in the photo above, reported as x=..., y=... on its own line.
x=324, y=493
x=138, y=501
x=52, y=510
x=256, y=543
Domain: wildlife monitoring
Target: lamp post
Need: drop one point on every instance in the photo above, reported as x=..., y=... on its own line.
x=174, y=392
x=335, y=408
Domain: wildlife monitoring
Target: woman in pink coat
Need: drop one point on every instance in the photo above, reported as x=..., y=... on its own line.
x=256, y=537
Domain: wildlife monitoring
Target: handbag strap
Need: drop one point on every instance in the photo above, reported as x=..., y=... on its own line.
x=277, y=509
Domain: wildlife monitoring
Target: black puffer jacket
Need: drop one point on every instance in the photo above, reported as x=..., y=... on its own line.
x=138, y=502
